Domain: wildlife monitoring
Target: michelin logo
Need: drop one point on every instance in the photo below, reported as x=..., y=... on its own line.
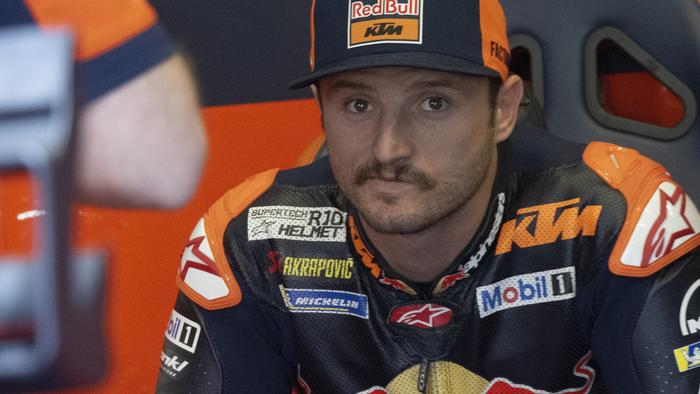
x=325, y=301
x=323, y=224
x=528, y=289
x=688, y=357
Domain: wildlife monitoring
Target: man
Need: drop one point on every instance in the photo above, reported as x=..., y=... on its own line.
x=141, y=140
x=437, y=249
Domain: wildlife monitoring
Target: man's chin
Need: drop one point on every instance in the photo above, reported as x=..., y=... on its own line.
x=393, y=221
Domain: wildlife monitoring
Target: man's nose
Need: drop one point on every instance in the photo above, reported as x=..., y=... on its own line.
x=393, y=142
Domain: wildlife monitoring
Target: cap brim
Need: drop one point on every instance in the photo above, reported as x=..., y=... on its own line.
x=431, y=61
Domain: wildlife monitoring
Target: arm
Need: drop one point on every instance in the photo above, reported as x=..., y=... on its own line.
x=243, y=349
x=143, y=143
x=637, y=337
x=141, y=140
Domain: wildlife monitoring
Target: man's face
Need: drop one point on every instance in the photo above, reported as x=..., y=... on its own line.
x=408, y=147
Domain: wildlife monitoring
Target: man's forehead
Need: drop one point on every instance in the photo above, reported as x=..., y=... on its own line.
x=368, y=77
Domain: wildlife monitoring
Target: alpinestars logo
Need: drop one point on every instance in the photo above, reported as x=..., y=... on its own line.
x=667, y=222
x=422, y=315
x=197, y=267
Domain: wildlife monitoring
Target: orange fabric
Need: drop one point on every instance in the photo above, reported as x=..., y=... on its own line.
x=494, y=41
x=312, y=54
x=640, y=96
x=637, y=178
x=19, y=213
x=226, y=208
x=145, y=245
x=367, y=256
x=570, y=223
x=309, y=154
x=99, y=25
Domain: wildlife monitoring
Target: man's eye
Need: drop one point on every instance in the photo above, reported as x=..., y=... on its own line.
x=433, y=104
x=359, y=106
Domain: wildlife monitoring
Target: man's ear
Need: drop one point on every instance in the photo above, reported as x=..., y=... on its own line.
x=316, y=93
x=507, y=104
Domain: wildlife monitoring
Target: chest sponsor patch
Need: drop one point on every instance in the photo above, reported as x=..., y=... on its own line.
x=385, y=21
x=687, y=357
x=427, y=315
x=325, y=301
x=315, y=267
x=183, y=332
x=322, y=224
x=551, y=223
x=527, y=289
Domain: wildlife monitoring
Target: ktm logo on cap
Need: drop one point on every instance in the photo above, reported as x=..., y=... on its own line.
x=384, y=21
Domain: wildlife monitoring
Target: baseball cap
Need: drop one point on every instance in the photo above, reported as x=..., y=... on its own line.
x=461, y=36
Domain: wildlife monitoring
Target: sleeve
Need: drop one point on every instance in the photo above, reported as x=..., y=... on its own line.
x=645, y=332
x=243, y=349
x=116, y=40
x=243, y=345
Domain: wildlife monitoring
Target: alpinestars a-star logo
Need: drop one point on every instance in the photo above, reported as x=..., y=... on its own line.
x=669, y=221
x=198, y=269
x=422, y=315
x=671, y=225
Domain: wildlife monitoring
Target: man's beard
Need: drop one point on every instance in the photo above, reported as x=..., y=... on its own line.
x=440, y=201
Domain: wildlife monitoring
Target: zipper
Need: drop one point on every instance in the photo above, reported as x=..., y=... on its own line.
x=423, y=375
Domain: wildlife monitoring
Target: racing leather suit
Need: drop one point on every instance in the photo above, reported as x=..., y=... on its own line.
x=581, y=278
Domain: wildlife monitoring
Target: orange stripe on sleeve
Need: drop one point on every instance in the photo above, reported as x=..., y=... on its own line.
x=100, y=25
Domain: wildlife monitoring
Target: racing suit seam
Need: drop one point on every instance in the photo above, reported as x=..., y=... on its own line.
x=212, y=342
x=630, y=339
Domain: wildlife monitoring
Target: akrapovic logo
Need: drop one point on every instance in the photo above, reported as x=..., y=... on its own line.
x=296, y=223
x=528, y=289
x=385, y=21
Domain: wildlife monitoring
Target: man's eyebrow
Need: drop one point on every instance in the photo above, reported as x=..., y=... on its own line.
x=433, y=83
x=339, y=84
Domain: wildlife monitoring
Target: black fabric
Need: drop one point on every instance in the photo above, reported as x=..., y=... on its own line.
x=529, y=305
x=316, y=173
x=659, y=331
x=185, y=370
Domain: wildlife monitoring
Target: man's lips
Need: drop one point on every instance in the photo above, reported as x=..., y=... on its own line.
x=389, y=186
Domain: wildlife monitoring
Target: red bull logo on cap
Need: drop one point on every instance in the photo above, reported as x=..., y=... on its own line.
x=384, y=21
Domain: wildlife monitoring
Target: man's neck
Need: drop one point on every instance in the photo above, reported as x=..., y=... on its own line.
x=422, y=256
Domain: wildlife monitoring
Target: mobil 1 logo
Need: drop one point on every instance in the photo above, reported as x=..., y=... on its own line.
x=182, y=332
x=527, y=289
x=324, y=224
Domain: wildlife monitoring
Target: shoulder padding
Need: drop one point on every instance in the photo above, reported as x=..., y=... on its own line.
x=662, y=222
x=205, y=274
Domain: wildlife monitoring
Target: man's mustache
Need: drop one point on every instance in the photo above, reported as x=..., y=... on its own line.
x=393, y=173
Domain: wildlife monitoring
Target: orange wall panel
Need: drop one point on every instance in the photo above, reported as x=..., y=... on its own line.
x=145, y=245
